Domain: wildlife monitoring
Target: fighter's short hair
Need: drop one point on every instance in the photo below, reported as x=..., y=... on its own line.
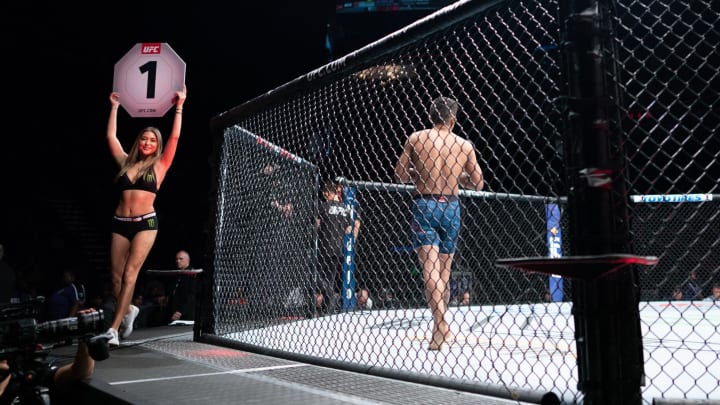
x=442, y=109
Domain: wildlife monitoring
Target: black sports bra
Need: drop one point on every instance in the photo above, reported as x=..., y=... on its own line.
x=145, y=183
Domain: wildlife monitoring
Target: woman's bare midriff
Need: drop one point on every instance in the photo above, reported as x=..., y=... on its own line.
x=135, y=203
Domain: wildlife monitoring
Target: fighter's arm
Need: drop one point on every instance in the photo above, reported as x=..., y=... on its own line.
x=472, y=177
x=404, y=170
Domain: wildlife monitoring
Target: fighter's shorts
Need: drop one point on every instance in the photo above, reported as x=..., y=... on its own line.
x=436, y=221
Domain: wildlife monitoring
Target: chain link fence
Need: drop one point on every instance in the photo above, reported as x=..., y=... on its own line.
x=670, y=75
x=347, y=122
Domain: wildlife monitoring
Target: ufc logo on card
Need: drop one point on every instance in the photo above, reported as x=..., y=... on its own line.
x=150, y=48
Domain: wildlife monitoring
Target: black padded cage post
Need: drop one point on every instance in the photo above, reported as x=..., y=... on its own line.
x=605, y=279
x=607, y=318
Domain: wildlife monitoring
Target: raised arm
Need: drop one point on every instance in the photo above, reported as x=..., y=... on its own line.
x=172, y=142
x=116, y=149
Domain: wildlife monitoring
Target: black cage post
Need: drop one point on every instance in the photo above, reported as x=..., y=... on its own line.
x=606, y=307
x=603, y=270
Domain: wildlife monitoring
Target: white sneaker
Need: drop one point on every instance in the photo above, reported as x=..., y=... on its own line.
x=123, y=323
x=114, y=341
x=130, y=320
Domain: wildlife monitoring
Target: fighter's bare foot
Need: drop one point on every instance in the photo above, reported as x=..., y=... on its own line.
x=439, y=338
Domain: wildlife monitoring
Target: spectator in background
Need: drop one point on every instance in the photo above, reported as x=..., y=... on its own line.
x=138, y=300
x=165, y=301
x=320, y=305
x=68, y=300
x=183, y=294
x=465, y=298
x=153, y=310
x=277, y=190
x=8, y=279
x=677, y=294
x=240, y=297
x=105, y=300
x=154, y=293
x=275, y=198
x=363, y=299
x=386, y=299
x=296, y=304
x=547, y=296
x=333, y=223
x=715, y=295
x=692, y=290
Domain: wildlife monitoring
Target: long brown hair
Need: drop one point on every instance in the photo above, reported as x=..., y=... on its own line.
x=134, y=155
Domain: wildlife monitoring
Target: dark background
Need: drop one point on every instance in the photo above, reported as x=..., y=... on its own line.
x=57, y=68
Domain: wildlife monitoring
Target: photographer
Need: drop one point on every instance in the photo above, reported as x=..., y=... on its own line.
x=58, y=379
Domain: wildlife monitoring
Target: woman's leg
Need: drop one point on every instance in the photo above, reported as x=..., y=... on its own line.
x=119, y=249
x=139, y=248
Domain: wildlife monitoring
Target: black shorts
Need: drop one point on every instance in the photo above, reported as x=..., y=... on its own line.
x=330, y=275
x=130, y=226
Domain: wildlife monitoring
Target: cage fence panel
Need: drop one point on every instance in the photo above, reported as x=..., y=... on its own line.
x=266, y=231
x=669, y=71
x=347, y=122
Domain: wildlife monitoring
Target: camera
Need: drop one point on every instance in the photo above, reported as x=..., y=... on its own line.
x=25, y=344
x=19, y=327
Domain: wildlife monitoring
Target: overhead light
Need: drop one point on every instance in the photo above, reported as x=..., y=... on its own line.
x=386, y=73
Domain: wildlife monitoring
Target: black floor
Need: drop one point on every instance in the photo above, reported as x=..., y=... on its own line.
x=165, y=366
